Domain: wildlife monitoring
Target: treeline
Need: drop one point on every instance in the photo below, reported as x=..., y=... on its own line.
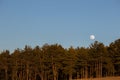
x=53, y=62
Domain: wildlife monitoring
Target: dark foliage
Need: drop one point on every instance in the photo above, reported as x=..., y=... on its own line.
x=53, y=62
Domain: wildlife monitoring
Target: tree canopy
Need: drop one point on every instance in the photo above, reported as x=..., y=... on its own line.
x=53, y=62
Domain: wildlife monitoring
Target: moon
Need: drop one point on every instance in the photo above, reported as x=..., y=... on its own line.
x=92, y=37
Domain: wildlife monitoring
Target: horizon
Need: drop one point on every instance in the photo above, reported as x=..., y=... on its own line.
x=12, y=51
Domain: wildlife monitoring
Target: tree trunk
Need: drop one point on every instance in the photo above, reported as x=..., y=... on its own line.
x=54, y=72
x=96, y=69
x=54, y=69
x=70, y=76
x=6, y=75
x=83, y=72
x=27, y=71
x=41, y=76
x=91, y=71
x=78, y=76
x=101, y=68
x=86, y=72
x=14, y=71
x=41, y=68
x=14, y=74
x=35, y=74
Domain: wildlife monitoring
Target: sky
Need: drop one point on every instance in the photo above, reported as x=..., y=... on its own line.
x=66, y=22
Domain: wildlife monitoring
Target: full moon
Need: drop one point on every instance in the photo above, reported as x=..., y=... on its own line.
x=92, y=37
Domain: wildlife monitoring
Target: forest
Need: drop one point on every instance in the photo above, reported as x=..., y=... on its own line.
x=54, y=62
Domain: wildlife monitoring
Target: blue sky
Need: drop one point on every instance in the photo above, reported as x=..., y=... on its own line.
x=66, y=22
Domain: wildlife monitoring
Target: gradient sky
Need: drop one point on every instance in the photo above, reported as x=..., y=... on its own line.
x=66, y=22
